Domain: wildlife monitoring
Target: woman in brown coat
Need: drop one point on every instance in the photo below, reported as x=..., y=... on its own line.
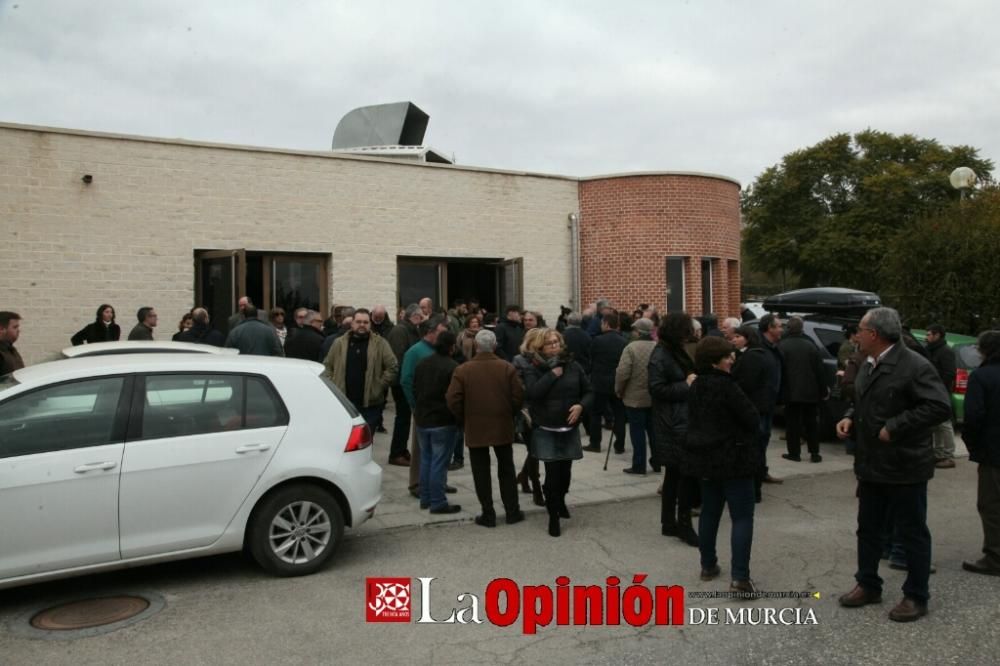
x=467, y=338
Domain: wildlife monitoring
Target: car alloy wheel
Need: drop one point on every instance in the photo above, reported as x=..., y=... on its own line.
x=295, y=530
x=300, y=532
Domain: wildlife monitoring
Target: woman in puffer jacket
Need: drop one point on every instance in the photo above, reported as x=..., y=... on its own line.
x=528, y=477
x=671, y=372
x=558, y=393
x=722, y=451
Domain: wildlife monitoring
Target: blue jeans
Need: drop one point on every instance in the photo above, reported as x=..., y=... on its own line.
x=640, y=426
x=738, y=494
x=906, y=506
x=436, y=448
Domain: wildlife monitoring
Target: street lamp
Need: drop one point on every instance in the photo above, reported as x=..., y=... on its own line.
x=963, y=179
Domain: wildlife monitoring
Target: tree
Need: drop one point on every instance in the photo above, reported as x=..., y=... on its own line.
x=826, y=213
x=944, y=268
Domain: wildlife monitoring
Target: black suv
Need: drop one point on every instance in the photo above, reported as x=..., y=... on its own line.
x=827, y=332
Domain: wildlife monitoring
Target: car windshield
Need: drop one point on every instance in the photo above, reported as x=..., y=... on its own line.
x=967, y=356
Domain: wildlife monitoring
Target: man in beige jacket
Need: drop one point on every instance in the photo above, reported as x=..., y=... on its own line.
x=632, y=386
x=362, y=365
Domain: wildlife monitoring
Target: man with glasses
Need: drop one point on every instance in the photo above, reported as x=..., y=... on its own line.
x=147, y=322
x=899, y=399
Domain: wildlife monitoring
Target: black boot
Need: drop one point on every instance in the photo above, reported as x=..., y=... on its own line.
x=537, y=496
x=669, y=529
x=563, y=511
x=685, y=531
x=552, y=504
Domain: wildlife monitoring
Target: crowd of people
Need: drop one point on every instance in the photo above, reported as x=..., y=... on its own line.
x=697, y=397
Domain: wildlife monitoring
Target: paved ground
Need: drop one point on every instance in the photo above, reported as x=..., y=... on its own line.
x=225, y=610
x=591, y=483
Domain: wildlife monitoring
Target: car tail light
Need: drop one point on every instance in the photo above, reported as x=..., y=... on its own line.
x=961, y=380
x=361, y=438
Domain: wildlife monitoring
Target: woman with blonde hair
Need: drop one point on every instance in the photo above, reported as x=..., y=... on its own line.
x=528, y=477
x=557, y=392
x=467, y=338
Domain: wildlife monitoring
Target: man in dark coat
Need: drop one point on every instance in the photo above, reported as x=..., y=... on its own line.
x=147, y=322
x=10, y=330
x=942, y=357
x=484, y=395
x=770, y=330
x=402, y=336
x=308, y=340
x=981, y=433
x=254, y=337
x=381, y=324
x=578, y=341
x=605, y=353
x=899, y=400
x=200, y=332
x=805, y=385
x=510, y=333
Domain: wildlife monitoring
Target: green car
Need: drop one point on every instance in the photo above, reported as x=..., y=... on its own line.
x=967, y=359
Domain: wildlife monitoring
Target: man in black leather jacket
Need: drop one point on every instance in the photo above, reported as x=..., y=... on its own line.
x=899, y=400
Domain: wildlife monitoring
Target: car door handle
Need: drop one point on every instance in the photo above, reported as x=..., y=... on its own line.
x=247, y=448
x=90, y=467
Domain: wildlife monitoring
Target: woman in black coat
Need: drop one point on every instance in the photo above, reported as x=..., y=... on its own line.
x=671, y=372
x=721, y=450
x=557, y=392
x=102, y=329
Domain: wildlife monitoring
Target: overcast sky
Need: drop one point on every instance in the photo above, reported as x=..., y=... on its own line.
x=576, y=87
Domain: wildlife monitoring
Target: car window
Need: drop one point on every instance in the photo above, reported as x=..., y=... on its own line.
x=830, y=339
x=264, y=408
x=180, y=405
x=348, y=405
x=66, y=416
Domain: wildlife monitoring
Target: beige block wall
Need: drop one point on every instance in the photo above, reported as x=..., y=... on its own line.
x=129, y=237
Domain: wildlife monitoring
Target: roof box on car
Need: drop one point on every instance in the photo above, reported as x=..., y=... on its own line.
x=824, y=300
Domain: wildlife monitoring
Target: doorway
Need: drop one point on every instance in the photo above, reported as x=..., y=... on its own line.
x=495, y=283
x=270, y=280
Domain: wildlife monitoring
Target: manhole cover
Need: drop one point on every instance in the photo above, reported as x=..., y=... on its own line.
x=89, y=613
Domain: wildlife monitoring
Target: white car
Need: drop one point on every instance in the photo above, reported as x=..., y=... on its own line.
x=116, y=461
x=143, y=347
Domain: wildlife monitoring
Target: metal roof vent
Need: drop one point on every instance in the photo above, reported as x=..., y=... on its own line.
x=386, y=130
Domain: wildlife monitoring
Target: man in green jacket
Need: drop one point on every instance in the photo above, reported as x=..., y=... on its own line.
x=363, y=366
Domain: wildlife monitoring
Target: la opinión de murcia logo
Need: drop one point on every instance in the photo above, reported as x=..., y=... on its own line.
x=388, y=599
x=506, y=602
x=535, y=605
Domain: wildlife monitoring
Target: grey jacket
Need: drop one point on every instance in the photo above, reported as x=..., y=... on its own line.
x=255, y=337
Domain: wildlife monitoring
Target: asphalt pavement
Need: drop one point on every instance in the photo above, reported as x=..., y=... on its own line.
x=225, y=610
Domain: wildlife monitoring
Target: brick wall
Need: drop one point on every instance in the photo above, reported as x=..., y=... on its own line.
x=629, y=224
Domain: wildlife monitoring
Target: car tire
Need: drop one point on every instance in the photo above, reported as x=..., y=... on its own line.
x=295, y=531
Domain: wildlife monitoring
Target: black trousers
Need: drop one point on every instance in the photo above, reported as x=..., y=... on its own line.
x=479, y=460
x=401, y=426
x=802, y=417
x=602, y=401
x=680, y=494
x=557, y=477
x=907, y=505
